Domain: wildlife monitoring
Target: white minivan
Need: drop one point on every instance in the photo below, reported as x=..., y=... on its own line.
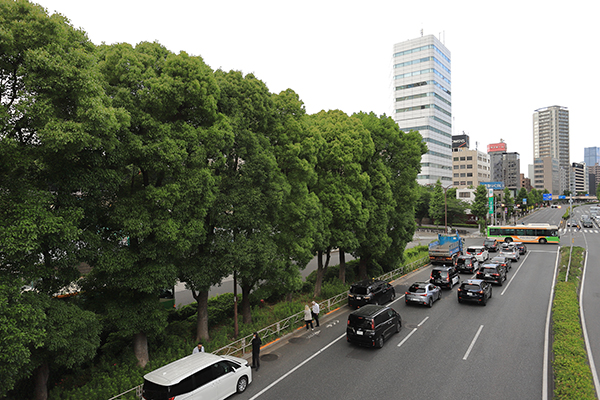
x=480, y=253
x=198, y=376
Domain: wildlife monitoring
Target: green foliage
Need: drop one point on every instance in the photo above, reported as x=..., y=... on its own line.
x=572, y=374
x=480, y=206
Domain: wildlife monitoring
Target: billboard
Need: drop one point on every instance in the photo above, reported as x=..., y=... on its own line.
x=460, y=141
x=501, y=147
x=493, y=185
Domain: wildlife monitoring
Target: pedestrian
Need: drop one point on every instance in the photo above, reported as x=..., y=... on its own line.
x=308, y=317
x=256, y=342
x=198, y=349
x=315, y=312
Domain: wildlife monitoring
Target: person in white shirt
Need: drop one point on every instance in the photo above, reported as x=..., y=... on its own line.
x=198, y=349
x=315, y=312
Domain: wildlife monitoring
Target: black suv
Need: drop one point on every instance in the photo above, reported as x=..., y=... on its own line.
x=465, y=263
x=493, y=273
x=372, y=324
x=491, y=244
x=444, y=276
x=370, y=291
x=475, y=290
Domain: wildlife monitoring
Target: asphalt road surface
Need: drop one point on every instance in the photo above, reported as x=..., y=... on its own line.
x=452, y=350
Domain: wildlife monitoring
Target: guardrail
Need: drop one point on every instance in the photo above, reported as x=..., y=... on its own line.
x=290, y=323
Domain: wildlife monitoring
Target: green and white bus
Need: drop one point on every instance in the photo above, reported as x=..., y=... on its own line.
x=530, y=233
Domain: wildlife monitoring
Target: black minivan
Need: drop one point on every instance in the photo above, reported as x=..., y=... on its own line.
x=370, y=291
x=371, y=325
x=444, y=276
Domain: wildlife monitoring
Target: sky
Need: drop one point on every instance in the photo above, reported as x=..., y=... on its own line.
x=508, y=58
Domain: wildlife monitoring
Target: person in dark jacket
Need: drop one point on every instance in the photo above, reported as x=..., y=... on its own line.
x=256, y=351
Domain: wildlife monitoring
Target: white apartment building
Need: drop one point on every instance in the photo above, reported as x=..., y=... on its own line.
x=551, y=139
x=423, y=102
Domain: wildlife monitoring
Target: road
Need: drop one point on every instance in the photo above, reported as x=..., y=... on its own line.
x=451, y=350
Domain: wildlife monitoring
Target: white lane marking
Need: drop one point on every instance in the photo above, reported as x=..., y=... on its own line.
x=296, y=367
x=547, y=331
x=515, y=274
x=473, y=343
x=411, y=332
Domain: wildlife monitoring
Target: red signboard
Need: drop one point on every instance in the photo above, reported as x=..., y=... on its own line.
x=496, y=147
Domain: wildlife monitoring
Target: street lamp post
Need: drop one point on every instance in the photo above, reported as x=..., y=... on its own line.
x=446, y=207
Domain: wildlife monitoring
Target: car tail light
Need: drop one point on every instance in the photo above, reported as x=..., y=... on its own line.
x=372, y=325
x=348, y=323
x=495, y=274
x=481, y=292
x=406, y=293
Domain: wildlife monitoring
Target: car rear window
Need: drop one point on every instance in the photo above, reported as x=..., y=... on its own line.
x=416, y=289
x=471, y=287
x=359, y=322
x=442, y=274
x=359, y=290
x=488, y=270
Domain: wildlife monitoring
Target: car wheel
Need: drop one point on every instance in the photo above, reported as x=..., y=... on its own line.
x=397, y=327
x=430, y=303
x=484, y=302
x=379, y=342
x=242, y=384
x=393, y=296
x=459, y=300
x=439, y=295
x=500, y=282
x=490, y=293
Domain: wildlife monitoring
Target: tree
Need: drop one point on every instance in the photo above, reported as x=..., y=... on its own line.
x=257, y=186
x=390, y=194
x=422, y=202
x=156, y=210
x=455, y=207
x=57, y=128
x=508, y=202
x=344, y=144
x=22, y=331
x=480, y=206
x=522, y=194
x=437, y=204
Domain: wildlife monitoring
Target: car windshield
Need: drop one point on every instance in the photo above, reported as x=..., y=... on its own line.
x=416, y=289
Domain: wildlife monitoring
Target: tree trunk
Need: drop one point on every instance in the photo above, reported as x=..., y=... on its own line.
x=342, y=271
x=42, y=373
x=202, y=316
x=320, y=274
x=246, y=312
x=140, y=349
x=362, y=268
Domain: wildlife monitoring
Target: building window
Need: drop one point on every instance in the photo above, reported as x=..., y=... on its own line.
x=469, y=166
x=462, y=159
x=463, y=167
x=469, y=158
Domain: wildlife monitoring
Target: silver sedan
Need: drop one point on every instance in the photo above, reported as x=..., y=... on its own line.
x=422, y=293
x=511, y=254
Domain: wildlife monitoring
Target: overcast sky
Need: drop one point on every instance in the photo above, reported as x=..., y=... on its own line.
x=508, y=58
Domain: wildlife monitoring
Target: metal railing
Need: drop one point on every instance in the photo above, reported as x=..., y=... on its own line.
x=239, y=347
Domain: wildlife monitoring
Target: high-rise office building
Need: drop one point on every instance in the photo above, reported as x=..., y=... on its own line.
x=423, y=102
x=551, y=139
x=591, y=156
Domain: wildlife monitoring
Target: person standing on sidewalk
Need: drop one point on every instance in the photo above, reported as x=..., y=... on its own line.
x=315, y=312
x=308, y=317
x=256, y=342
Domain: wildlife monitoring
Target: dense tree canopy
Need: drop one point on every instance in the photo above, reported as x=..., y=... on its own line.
x=147, y=167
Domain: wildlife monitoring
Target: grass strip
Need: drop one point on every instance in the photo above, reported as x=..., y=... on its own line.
x=572, y=374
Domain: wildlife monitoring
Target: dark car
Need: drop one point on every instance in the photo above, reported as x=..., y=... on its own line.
x=476, y=290
x=422, y=293
x=445, y=276
x=491, y=244
x=503, y=261
x=371, y=325
x=370, y=291
x=493, y=273
x=467, y=263
x=521, y=247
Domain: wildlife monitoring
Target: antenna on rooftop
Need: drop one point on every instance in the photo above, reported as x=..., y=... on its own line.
x=421, y=32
